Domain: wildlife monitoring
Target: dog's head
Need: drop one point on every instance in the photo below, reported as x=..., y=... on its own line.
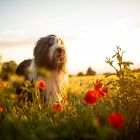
x=50, y=53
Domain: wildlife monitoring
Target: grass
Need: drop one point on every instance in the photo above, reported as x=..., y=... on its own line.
x=77, y=120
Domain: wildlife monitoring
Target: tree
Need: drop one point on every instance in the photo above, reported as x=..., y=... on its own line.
x=80, y=74
x=90, y=71
x=8, y=68
x=136, y=70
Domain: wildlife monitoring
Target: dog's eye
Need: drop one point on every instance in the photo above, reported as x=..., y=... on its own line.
x=52, y=41
x=49, y=45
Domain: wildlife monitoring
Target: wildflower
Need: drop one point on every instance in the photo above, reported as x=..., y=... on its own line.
x=105, y=89
x=90, y=98
x=3, y=84
x=102, y=92
x=1, y=109
x=42, y=85
x=57, y=107
x=116, y=120
x=97, y=86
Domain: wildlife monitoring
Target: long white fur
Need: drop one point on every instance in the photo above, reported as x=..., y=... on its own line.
x=56, y=83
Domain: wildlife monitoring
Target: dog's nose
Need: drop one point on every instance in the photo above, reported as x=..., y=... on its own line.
x=59, y=50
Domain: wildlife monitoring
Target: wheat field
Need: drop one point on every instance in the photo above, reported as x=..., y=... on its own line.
x=98, y=108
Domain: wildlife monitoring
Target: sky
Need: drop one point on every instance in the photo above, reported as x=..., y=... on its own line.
x=91, y=29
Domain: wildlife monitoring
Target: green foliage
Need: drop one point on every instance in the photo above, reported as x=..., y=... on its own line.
x=8, y=68
x=126, y=93
x=90, y=71
x=80, y=74
x=28, y=119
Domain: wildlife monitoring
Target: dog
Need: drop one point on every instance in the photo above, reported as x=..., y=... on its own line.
x=49, y=65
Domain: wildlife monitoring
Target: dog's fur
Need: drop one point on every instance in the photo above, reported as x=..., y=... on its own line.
x=49, y=56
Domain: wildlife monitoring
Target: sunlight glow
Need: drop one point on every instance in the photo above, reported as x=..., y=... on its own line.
x=90, y=35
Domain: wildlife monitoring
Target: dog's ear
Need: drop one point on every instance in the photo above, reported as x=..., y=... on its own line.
x=44, y=43
x=54, y=39
x=51, y=39
x=60, y=41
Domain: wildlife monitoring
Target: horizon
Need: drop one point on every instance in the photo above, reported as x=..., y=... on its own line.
x=90, y=29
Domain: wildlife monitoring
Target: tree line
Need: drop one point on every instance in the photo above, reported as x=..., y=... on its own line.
x=8, y=68
x=89, y=72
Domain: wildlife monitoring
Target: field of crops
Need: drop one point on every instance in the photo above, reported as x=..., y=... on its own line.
x=98, y=107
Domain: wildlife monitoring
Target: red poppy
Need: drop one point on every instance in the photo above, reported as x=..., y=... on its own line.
x=116, y=120
x=42, y=85
x=105, y=89
x=57, y=107
x=102, y=92
x=1, y=109
x=90, y=98
x=97, y=86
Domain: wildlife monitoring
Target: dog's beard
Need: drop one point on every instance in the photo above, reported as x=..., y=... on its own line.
x=57, y=57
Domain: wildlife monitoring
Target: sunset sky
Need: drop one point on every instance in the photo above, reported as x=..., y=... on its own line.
x=91, y=29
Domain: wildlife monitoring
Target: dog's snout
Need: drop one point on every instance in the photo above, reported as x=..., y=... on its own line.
x=59, y=50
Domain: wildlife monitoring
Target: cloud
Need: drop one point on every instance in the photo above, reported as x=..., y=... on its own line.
x=16, y=38
x=17, y=43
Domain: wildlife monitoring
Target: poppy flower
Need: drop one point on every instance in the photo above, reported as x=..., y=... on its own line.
x=57, y=107
x=42, y=85
x=90, y=98
x=97, y=86
x=1, y=109
x=116, y=120
x=102, y=92
x=105, y=89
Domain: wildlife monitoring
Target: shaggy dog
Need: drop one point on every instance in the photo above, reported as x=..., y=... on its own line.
x=49, y=65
